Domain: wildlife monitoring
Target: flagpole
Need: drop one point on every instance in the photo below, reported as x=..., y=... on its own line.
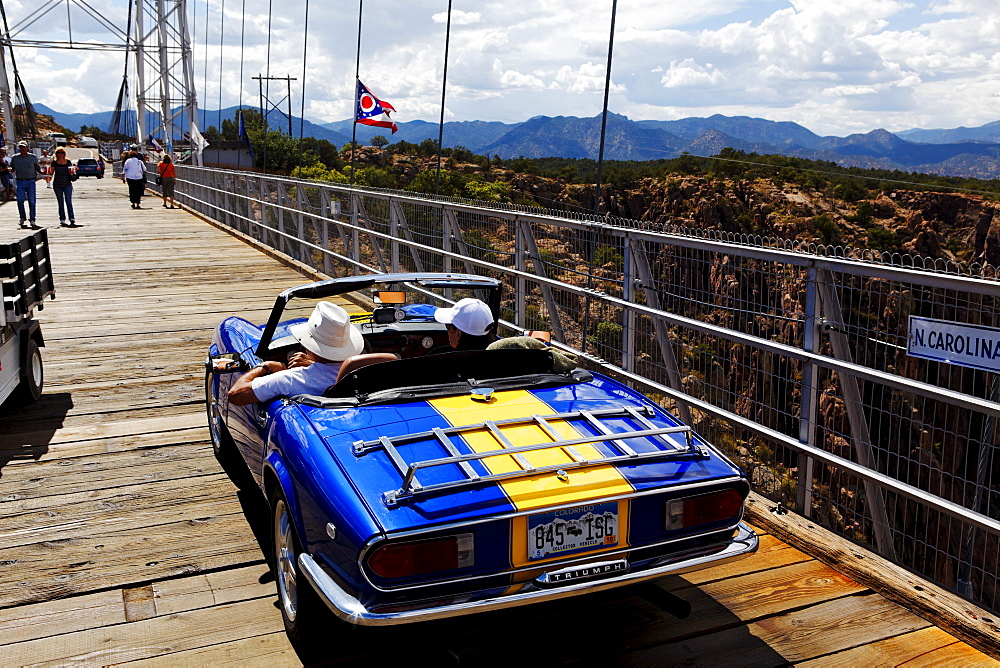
x=444, y=89
x=357, y=77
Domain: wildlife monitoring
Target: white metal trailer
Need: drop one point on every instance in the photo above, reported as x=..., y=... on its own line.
x=26, y=280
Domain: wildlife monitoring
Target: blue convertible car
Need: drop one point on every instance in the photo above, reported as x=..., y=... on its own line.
x=423, y=486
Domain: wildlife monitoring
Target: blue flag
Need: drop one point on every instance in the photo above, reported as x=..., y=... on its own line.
x=244, y=136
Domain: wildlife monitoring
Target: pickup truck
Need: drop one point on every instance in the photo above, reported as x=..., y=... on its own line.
x=26, y=280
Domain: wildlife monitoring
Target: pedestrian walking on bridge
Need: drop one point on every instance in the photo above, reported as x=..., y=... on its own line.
x=26, y=170
x=134, y=174
x=63, y=175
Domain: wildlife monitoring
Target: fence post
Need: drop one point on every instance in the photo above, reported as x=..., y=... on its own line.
x=356, y=232
x=860, y=434
x=300, y=227
x=521, y=287
x=810, y=397
x=325, y=208
x=446, y=263
x=394, y=231
x=360, y=217
x=454, y=233
x=531, y=248
x=629, y=317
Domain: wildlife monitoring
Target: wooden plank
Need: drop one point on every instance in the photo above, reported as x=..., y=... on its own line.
x=59, y=616
x=266, y=651
x=210, y=589
x=107, y=470
x=41, y=451
x=107, y=608
x=138, y=603
x=788, y=638
x=80, y=514
x=122, y=427
x=925, y=647
x=42, y=571
x=948, y=611
x=772, y=553
x=159, y=636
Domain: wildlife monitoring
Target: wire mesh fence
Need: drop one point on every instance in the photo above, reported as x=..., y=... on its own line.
x=790, y=358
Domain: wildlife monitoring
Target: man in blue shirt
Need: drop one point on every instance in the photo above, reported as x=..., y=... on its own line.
x=26, y=169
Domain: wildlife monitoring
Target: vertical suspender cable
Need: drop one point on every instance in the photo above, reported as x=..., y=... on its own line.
x=597, y=187
x=222, y=37
x=444, y=89
x=204, y=120
x=604, y=114
x=243, y=28
x=302, y=108
x=266, y=88
x=357, y=81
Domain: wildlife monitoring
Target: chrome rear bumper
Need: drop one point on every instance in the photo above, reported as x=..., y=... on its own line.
x=350, y=609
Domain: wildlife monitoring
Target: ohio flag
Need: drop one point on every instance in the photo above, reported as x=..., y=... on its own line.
x=370, y=106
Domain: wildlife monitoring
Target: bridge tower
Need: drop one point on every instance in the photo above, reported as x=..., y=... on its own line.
x=157, y=45
x=165, y=90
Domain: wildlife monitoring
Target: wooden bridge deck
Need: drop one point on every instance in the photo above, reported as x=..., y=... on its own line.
x=122, y=541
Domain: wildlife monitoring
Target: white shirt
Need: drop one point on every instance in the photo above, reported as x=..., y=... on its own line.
x=133, y=169
x=312, y=379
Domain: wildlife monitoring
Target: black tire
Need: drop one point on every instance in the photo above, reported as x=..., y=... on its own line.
x=30, y=388
x=302, y=611
x=222, y=442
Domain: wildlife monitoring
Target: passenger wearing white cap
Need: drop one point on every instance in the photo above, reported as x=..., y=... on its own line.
x=470, y=324
x=327, y=339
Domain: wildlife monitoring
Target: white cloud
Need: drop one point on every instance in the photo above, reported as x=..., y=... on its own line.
x=835, y=66
x=458, y=18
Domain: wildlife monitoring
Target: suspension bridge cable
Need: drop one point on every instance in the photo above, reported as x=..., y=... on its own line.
x=302, y=108
x=357, y=83
x=119, y=123
x=27, y=125
x=222, y=37
x=444, y=88
x=267, y=84
x=204, y=96
x=243, y=28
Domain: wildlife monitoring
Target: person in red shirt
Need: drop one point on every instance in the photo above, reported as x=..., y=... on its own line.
x=168, y=178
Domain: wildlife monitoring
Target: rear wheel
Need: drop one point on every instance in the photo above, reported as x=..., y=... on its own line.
x=30, y=388
x=301, y=608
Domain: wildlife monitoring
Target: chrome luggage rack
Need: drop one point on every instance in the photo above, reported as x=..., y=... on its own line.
x=411, y=486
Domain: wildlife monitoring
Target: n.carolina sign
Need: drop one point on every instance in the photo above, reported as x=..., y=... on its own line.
x=954, y=343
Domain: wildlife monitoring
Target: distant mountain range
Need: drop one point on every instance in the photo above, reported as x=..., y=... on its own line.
x=968, y=152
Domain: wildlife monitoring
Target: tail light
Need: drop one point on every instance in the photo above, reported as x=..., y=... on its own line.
x=398, y=560
x=694, y=511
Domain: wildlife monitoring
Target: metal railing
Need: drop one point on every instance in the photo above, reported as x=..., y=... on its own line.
x=791, y=359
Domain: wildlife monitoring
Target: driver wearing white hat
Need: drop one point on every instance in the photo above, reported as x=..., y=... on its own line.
x=328, y=338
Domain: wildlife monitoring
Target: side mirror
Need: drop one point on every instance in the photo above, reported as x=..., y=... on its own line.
x=225, y=363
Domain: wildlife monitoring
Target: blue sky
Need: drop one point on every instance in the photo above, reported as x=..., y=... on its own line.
x=836, y=67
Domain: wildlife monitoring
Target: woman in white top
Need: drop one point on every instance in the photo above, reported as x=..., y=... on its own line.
x=134, y=174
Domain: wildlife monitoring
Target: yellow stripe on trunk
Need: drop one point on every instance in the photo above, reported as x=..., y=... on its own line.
x=540, y=490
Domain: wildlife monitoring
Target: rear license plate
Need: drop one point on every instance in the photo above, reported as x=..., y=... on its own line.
x=573, y=530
